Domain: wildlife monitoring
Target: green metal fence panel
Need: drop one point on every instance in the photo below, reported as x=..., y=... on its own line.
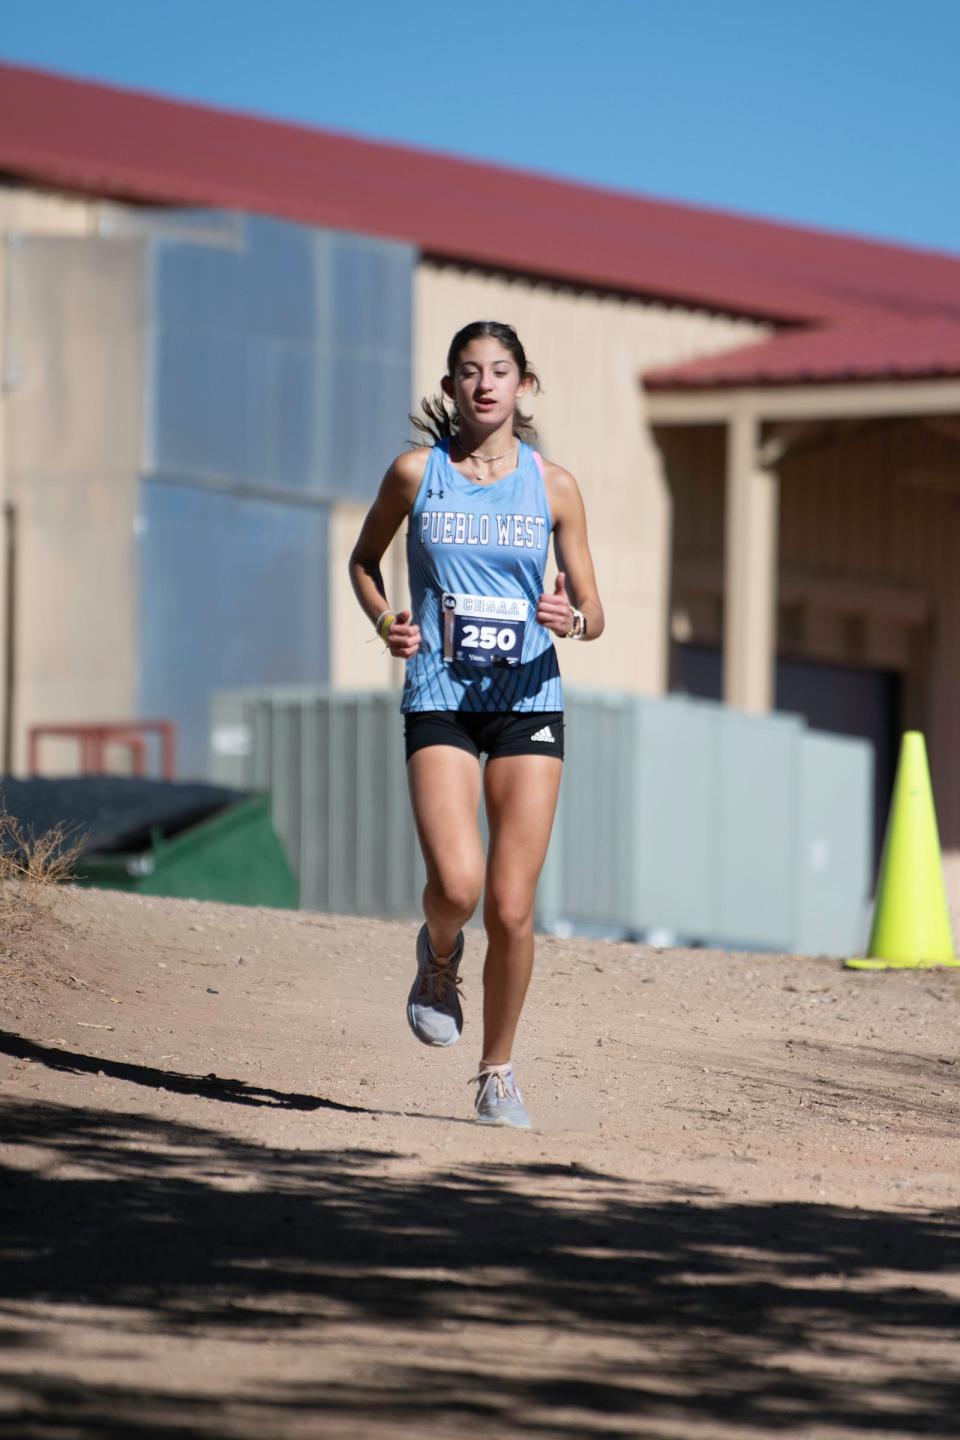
x=594, y=834
x=675, y=804
x=334, y=766
x=678, y=817
x=834, y=861
x=756, y=776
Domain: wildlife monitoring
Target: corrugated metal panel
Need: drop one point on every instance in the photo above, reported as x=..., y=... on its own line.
x=835, y=787
x=596, y=861
x=281, y=359
x=757, y=777
x=230, y=591
x=674, y=815
x=336, y=770
x=278, y=377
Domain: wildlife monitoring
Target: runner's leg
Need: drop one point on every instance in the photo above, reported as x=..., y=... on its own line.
x=521, y=795
x=445, y=793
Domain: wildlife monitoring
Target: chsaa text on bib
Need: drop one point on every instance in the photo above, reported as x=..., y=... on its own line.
x=491, y=607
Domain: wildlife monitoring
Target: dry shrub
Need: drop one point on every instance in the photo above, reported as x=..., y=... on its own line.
x=30, y=864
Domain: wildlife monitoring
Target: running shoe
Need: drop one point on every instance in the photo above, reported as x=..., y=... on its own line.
x=433, y=1005
x=499, y=1101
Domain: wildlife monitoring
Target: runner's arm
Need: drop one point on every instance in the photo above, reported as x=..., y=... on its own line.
x=393, y=504
x=572, y=548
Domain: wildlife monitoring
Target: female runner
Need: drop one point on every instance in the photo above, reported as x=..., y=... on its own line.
x=481, y=677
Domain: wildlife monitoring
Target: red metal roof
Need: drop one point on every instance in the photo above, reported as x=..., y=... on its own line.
x=871, y=346
x=102, y=141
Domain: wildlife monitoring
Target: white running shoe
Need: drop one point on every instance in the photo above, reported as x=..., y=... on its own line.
x=499, y=1101
x=433, y=1005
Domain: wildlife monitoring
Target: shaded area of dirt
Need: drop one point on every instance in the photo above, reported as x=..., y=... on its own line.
x=665, y=1305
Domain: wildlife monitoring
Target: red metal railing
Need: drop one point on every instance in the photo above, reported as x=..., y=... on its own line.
x=94, y=738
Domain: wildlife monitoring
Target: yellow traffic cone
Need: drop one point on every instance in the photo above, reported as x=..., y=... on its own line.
x=911, y=922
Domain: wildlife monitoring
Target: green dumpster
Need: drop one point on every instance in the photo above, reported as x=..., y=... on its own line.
x=189, y=841
x=235, y=857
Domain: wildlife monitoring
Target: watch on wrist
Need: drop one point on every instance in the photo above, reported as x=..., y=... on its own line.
x=578, y=626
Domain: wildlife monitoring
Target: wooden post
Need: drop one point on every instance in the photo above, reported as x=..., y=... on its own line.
x=9, y=669
x=750, y=566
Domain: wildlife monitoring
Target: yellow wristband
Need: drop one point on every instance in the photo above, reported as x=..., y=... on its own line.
x=383, y=624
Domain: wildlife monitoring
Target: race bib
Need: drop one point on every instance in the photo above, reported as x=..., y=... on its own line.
x=483, y=629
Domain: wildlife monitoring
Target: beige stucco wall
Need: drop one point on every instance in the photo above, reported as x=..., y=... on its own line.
x=589, y=350
x=25, y=212
x=33, y=212
x=71, y=442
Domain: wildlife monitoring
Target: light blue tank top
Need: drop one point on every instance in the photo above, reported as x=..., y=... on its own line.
x=476, y=555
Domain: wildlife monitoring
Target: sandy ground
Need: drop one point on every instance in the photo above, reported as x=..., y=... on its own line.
x=239, y=1200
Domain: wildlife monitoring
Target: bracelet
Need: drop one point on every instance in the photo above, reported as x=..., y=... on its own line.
x=389, y=617
x=578, y=625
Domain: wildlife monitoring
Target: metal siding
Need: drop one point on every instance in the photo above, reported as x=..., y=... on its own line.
x=595, y=886
x=835, y=812
x=283, y=359
x=280, y=368
x=676, y=810
x=673, y=814
x=230, y=593
x=755, y=837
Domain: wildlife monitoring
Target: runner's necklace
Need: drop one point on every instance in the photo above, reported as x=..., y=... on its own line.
x=470, y=455
x=489, y=459
x=475, y=454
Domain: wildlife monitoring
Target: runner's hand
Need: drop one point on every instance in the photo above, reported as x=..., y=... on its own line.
x=403, y=638
x=555, y=611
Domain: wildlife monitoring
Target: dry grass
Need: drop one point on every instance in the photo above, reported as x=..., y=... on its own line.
x=29, y=865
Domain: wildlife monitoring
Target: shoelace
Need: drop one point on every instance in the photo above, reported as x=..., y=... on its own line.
x=439, y=979
x=499, y=1074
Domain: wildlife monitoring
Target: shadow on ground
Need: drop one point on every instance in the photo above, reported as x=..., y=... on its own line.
x=521, y=1299
x=179, y=1082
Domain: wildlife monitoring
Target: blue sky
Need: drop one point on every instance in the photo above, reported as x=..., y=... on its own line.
x=837, y=113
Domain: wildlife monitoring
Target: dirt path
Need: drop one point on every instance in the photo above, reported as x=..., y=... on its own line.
x=240, y=1201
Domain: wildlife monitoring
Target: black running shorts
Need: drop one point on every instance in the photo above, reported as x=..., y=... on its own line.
x=501, y=732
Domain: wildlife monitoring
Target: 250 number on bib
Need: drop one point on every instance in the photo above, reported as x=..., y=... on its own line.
x=488, y=637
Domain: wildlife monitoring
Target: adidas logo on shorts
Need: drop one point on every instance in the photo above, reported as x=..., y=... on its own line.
x=545, y=736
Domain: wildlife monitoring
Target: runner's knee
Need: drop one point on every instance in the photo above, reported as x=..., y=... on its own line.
x=508, y=915
x=457, y=893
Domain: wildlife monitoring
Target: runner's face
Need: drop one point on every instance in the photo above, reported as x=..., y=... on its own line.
x=485, y=384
